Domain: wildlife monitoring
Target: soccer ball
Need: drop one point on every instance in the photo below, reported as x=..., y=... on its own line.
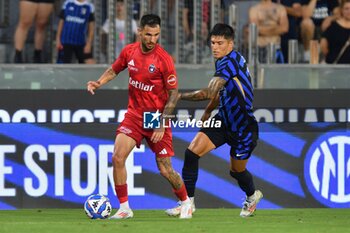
x=97, y=207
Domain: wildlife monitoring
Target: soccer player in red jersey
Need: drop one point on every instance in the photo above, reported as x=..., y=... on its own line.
x=152, y=89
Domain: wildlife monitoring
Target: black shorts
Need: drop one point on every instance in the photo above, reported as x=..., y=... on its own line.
x=70, y=50
x=40, y=1
x=222, y=135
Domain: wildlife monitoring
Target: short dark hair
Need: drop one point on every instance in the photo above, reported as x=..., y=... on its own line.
x=221, y=29
x=151, y=20
x=343, y=2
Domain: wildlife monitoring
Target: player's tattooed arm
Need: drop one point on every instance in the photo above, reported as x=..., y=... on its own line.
x=166, y=116
x=170, y=105
x=198, y=95
x=210, y=107
x=215, y=84
x=107, y=76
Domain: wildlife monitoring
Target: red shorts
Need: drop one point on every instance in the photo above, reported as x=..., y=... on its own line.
x=134, y=128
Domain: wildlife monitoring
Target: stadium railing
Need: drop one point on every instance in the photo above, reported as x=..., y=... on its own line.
x=270, y=76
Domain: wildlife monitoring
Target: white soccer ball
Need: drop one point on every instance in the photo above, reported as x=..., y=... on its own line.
x=97, y=207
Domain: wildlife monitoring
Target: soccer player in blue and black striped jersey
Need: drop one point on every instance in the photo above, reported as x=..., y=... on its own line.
x=232, y=90
x=75, y=30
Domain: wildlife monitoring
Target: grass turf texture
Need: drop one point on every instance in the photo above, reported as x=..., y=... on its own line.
x=155, y=221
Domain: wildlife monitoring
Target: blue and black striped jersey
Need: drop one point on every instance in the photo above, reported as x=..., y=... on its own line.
x=76, y=16
x=236, y=97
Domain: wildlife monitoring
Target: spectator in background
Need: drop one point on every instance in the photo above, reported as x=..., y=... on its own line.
x=205, y=21
x=119, y=29
x=187, y=23
x=171, y=26
x=187, y=19
x=40, y=10
x=245, y=40
x=334, y=16
x=75, y=30
x=336, y=38
x=293, y=8
x=271, y=20
x=314, y=13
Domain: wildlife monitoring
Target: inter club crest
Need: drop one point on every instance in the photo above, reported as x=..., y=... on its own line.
x=151, y=68
x=327, y=169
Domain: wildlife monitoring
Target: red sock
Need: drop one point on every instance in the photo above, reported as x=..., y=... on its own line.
x=122, y=192
x=181, y=193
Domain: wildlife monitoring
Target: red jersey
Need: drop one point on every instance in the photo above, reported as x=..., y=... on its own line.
x=151, y=75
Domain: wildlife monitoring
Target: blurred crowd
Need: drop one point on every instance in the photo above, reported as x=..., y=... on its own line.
x=321, y=25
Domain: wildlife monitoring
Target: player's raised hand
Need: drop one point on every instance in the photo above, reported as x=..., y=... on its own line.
x=92, y=86
x=157, y=135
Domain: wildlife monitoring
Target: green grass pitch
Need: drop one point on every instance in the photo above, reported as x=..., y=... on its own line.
x=155, y=221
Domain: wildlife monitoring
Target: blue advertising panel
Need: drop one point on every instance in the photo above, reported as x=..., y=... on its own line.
x=56, y=149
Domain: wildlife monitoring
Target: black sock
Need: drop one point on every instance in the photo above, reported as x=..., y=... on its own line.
x=37, y=56
x=190, y=172
x=245, y=181
x=18, y=57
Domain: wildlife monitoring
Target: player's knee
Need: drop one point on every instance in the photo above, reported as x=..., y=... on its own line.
x=196, y=146
x=118, y=161
x=238, y=169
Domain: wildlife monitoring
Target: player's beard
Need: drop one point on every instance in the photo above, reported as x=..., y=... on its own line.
x=146, y=49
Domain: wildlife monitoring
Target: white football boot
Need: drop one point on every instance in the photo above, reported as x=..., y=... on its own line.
x=123, y=214
x=249, y=205
x=177, y=209
x=186, y=210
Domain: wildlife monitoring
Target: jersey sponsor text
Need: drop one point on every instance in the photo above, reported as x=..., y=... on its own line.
x=140, y=85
